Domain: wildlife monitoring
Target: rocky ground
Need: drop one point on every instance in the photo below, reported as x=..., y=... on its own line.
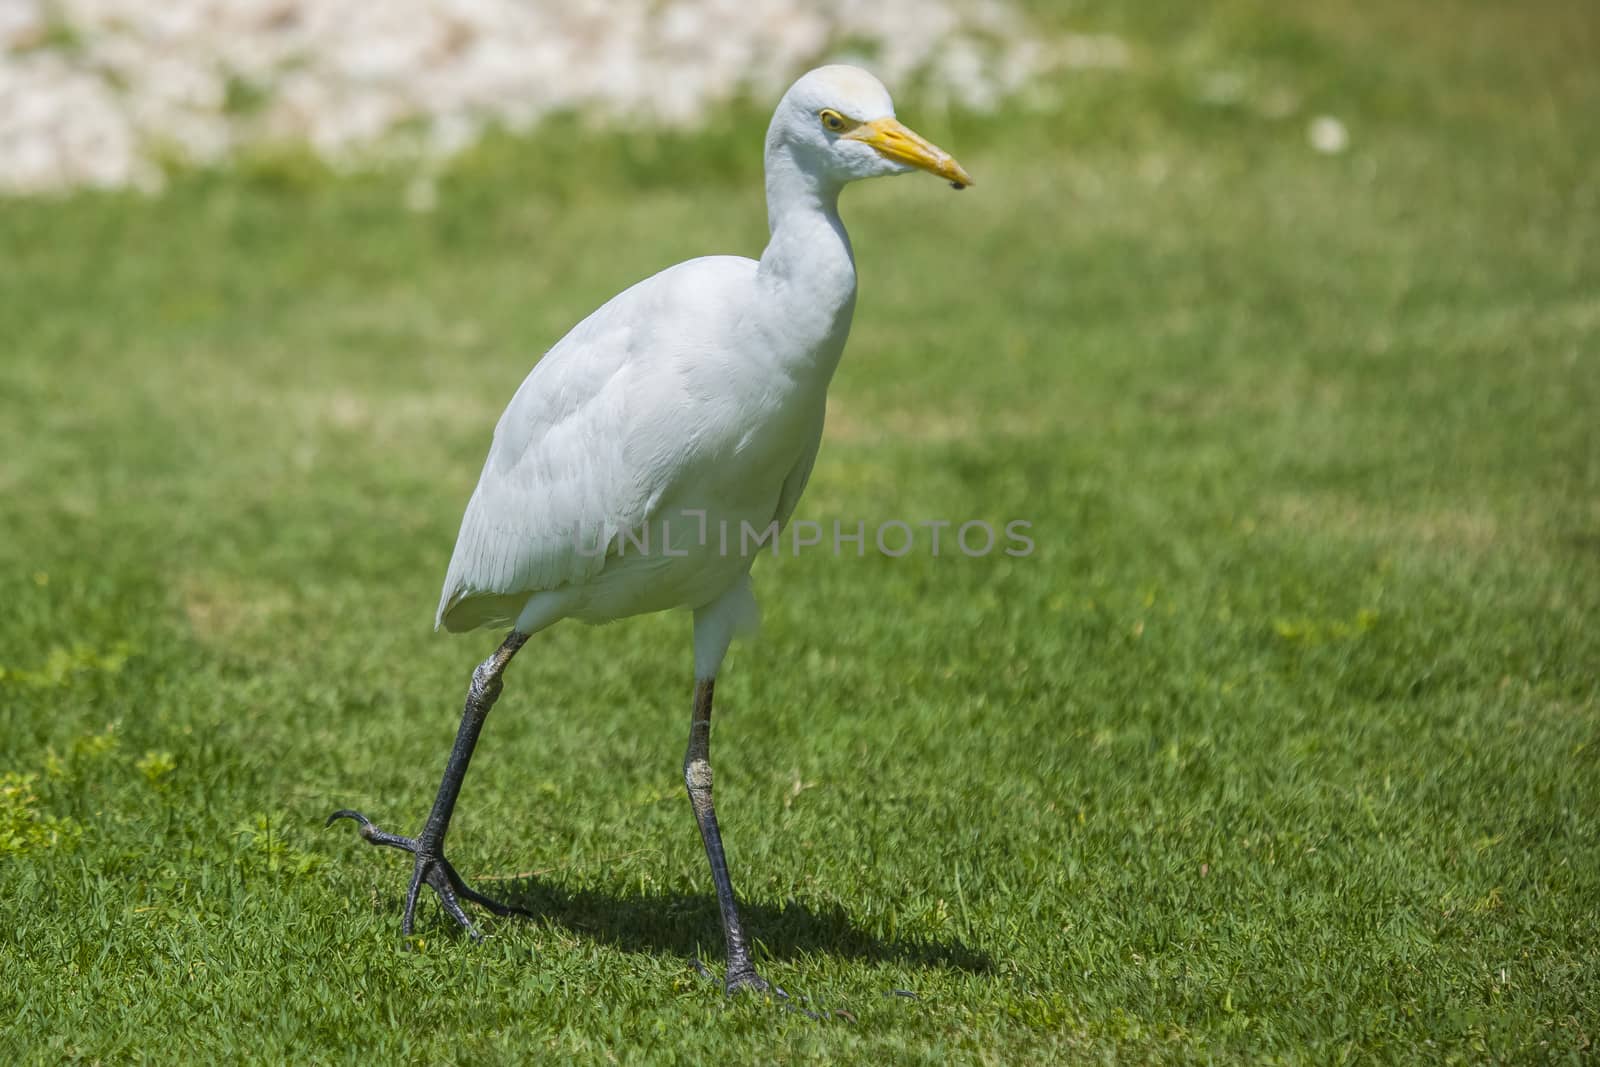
x=110, y=93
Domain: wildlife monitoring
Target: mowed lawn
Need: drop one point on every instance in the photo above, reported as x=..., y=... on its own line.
x=1283, y=744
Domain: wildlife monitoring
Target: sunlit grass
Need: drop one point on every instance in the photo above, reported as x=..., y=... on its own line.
x=1282, y=745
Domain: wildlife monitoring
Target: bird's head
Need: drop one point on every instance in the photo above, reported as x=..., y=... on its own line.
x=839, y=123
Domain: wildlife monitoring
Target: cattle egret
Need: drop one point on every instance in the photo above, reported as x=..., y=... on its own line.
x=688, y=406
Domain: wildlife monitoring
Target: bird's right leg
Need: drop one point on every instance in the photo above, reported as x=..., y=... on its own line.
x=430, y=867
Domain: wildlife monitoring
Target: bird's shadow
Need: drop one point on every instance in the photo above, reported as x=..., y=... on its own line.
x=689, y=925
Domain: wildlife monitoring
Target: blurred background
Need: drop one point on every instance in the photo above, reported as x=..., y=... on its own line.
x=105, y=93
x=1279, y=321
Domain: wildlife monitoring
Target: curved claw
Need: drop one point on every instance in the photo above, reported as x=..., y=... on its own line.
x=370, y=832
x=346, y=813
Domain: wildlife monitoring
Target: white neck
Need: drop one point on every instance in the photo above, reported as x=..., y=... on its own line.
x=808, y=268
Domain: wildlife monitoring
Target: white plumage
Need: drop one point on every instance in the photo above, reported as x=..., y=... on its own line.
x=685, y=411
x=645, y=414
x=691, y=402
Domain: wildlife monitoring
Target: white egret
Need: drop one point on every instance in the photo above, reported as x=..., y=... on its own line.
x=628, y=468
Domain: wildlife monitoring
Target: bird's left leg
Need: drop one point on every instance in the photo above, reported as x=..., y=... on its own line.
x=714, y=626
x=697, y=776
x=430, y=867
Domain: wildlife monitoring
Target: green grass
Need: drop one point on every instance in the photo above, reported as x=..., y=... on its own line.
x=1282, y=746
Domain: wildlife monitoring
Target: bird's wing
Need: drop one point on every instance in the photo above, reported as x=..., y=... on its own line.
x=578, y=454
x=795, y=483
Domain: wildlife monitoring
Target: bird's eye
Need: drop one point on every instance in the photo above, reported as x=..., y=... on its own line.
x=832, y=119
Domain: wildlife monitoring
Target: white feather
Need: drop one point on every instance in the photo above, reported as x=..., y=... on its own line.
x=693, y=401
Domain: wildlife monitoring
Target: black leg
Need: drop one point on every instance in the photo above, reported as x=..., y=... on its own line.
x=697, y=776
x=428, y=847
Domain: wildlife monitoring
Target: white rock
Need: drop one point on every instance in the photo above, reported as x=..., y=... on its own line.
x=130, y=81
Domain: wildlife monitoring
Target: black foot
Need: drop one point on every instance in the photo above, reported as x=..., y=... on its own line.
x=433, y=870
x=748, y=979
x=741, y=980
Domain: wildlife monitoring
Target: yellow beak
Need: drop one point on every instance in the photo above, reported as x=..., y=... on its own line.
x=905, y=145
